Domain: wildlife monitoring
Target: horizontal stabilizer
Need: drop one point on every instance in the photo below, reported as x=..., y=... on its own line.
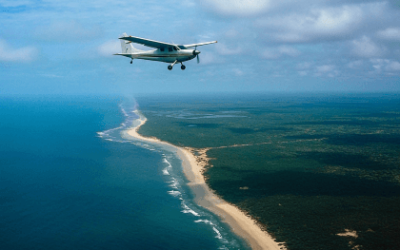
x=130, y=55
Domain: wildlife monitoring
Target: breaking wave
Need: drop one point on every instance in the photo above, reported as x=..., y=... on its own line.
x=165, y=171
x=174, y=183
x=219, y=236
x=174, y=193
x=204, y=221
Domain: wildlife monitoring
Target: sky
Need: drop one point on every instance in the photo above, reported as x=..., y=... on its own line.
x=66, y=46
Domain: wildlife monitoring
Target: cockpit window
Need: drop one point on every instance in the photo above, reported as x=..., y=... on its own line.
x=161, y=49
x=169, y=49
x=174, y=48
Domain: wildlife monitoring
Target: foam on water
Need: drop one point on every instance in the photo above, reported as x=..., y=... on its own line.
x=219, y=236
x=204, y=221
x=123, y=111
x=174, y=183
x=187, y=210
x=174, y=193
x=165, y=171
x=168, y=167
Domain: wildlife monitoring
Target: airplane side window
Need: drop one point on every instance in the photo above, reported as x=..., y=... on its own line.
x=169, y=49
x=161, y=49
x=174, y=48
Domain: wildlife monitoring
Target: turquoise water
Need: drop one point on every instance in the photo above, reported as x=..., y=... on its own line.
x=63, y=185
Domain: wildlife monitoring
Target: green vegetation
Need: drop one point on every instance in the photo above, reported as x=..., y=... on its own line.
x=306, y=167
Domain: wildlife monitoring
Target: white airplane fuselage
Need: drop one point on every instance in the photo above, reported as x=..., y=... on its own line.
x=163, y=52
x=166, y=56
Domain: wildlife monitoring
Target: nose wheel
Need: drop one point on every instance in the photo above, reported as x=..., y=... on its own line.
x=183, y=67
x=131, y=61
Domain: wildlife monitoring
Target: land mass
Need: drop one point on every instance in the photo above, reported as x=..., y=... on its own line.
x=241, y=224
x=308, y=168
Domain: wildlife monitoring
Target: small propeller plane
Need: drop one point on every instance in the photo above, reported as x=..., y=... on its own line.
x=163, y=52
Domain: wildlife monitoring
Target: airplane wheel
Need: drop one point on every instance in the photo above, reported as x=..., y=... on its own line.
x=170, y=67
x=183, y=67
x=131, y=62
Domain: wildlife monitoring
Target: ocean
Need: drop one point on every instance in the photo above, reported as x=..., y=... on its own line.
x=69, y=180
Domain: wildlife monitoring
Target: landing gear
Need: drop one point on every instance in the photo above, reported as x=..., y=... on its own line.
x=131, y=61
x=183, y=67
x=172, y=65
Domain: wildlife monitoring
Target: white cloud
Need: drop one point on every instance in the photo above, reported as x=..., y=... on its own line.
x=224, y=50
x=286, y=50
x=303, y=65
x=24, y=54
x=67, y=31
x=231, y=33
x=378, y=64
x=109, y=48
x=326, y=70
x=381, y=65
x=365, y=47
x=209, y=58
x=238, y=72
x=355, y=64
x=393, y=66
x=316, y=24
x=270, y=54
x=237, y=7
x=390, y=34
x=280, y=51
x=302, y=73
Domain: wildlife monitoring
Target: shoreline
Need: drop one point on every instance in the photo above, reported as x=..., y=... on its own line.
x=241, y=224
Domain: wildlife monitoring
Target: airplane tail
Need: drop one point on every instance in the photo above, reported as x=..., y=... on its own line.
x=127, y=46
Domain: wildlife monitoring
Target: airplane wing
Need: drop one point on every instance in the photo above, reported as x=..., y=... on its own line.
x=197, y=44
x=147, y=42
x=155, y=44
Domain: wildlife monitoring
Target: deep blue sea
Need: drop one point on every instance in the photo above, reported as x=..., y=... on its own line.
x=68, y=180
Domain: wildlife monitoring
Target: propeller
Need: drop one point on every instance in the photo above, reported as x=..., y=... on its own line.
x=196, y=53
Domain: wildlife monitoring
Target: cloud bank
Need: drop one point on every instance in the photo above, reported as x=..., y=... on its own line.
x=329, y=35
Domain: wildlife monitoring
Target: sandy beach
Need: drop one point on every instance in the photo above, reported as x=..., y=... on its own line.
x=242, y=225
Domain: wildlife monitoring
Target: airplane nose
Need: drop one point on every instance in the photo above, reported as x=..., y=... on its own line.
x=196, y=52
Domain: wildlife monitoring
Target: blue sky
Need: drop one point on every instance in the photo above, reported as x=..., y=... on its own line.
x=66, y=47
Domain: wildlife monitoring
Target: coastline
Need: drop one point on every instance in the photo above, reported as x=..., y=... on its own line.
x=240, y=223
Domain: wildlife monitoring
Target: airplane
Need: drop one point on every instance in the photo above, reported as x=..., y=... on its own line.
x=163, y=52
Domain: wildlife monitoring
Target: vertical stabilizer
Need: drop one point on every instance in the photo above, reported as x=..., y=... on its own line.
x=127, y=46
